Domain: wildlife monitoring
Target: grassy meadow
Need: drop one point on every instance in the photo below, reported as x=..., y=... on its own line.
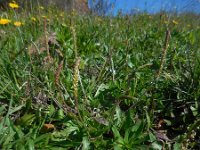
x=89, y=82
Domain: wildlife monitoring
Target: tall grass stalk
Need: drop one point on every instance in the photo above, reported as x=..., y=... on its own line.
x=164, y=52
x=46, y=38
x=74, y=40
x=57, y=73
x=75, y=81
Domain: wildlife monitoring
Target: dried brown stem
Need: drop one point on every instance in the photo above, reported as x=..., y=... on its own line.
x=57, y=74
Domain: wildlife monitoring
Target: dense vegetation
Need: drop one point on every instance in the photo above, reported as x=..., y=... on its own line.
x=89, y=82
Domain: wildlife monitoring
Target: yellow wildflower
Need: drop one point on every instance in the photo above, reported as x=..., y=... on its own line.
x=41, y=7
x=188, y=25
x=4, y=21
x=99, y=19
x=33, y=19
x=61, y=14
x=166, y=22
x=18, y=23
x=74, y=12
x=175, y=22
x=44, y=16
x=13, y=5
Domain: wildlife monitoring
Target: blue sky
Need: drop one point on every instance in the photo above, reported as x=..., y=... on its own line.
x=153, y=6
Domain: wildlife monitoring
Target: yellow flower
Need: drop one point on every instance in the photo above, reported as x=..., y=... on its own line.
x=61, y=14
x=74, y=12
x=99, y=19
x=4, y=21
x=166, y=22
x=44, y=16
x=13, y=5
x=18, y=23
x=188, y=25
x=41, y=7
x=175, y=22
x=33, y=19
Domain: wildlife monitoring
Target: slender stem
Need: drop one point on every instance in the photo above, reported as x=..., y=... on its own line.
x=164, y=52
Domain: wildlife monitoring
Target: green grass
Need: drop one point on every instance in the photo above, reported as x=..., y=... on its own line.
x=111, y=99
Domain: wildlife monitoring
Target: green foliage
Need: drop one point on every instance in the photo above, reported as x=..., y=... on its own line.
x=122, y=104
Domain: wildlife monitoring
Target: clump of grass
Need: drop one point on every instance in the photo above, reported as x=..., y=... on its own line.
x=117, y=115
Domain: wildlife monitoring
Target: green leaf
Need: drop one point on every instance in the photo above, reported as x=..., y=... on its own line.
x=116, y=132
x=51, y=110
x=101, y=88
x=118, y=138
x=44, y=138
x=118, y=116
x=31, y=144
x=59, y=114
x=70, y=128
x=19, y=132
x=26, y=119
x=86, y=143
x=126, y=136
x=152, y=137
x=177, y=146
x=148, y=120
x=20, y=146
x=16, y=109
x=156, y=146
x=192, y=38
x=137, y=126
x=2, y=108
x=117, y=147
